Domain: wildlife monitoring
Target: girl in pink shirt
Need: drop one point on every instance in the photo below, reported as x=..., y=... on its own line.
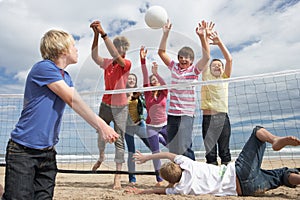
x=156, y=102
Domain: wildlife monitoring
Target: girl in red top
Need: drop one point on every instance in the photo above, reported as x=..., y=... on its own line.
x=156, y=102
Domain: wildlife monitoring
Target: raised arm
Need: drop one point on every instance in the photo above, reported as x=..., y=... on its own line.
x=72, y=98
x=140, y=158
x=143, y=54
x=155, y=72
x=95, y=53
x=201, y=32
x=163, y=44
x=97, y=28
x=228, y=58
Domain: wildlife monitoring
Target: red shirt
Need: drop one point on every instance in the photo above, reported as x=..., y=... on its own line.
x=115, y=77
x=156, y=107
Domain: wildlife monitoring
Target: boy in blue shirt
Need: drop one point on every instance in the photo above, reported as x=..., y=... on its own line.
x=30, y=155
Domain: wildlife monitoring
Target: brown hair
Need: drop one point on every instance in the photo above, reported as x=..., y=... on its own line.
x=132, y=74
x=155, y=93
x=216, y=59
x=171, y=172
x=186, y=52
x=121, y=41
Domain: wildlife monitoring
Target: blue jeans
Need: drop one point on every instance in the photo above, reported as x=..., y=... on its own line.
x=216, y=131
x=252, y=178
x=29, y=173
x=180, y=129
x=139, y=130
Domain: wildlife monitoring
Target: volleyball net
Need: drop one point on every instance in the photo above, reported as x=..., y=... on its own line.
x=271, y=100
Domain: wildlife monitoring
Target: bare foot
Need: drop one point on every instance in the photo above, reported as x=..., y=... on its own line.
x=117, y=182
x=96, y=165
x=132, y=184
x=281, y=142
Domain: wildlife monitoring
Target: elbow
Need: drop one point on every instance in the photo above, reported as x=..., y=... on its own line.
x=161, y=52
x=207, y=58
x=69, y=101
x=229, y=60
x=94, y=57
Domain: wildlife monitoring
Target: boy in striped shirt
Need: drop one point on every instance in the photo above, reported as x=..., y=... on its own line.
x=182, y=100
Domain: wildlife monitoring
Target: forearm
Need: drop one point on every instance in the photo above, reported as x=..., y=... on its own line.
x=225, y=51
x=203, y=62
x=113, y=51
x=161, y=155
x=144, y=71
x=162, y=49
x=95, y=47
x=205, y=49
x=154, y=191
x=228, y=58
x=160, y=79
x=163, y=42
x=82, y=109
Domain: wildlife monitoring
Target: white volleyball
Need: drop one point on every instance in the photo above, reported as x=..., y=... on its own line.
x=156, y=17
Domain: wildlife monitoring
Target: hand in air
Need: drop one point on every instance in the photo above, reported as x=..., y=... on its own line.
x=143, y=52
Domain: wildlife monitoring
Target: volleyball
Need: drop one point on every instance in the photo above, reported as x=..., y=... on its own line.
x=156, y=17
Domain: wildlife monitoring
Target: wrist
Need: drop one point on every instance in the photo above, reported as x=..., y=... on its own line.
x=143, y=61
x=103, y=35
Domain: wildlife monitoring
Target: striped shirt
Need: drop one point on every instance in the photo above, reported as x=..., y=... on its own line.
x=182, y=100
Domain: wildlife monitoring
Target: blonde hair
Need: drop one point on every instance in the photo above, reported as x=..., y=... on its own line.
x=171, y=172
x=121, y=41
x=54, y=43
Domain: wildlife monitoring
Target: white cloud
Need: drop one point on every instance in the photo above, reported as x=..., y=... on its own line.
x=262, y=35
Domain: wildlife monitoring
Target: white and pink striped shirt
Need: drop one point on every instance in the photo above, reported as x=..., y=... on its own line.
x=182, y=100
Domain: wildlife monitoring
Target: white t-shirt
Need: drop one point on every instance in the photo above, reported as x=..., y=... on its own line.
x=202, y=178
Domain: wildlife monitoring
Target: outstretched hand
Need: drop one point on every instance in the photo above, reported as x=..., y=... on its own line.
x=167, y=27
x=132, y=190
x=139, y=158
x=108, y=134
x=205, y=28
x=154, y=68
x=214, y=37
x=209, y=28
x=143, y=53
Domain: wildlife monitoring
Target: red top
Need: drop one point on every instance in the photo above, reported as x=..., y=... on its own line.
x=156, y=107
x=115, y=77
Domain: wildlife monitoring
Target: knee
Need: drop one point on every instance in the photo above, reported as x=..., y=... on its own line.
x=286, y=178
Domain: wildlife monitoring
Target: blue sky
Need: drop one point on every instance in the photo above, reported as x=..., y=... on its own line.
x=262, y=35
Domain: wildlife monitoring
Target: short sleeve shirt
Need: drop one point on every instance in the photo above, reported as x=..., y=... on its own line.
x=39, y=124
x=182, y=100
x=214, y=96
x=115, y=77
x=202, y=178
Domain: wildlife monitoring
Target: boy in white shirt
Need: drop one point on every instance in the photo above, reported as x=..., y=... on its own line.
x=244, y=177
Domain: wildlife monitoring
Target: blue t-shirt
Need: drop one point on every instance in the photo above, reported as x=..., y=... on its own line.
x=39, y=124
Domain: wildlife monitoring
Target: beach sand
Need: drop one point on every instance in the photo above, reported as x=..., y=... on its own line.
x=99, y=186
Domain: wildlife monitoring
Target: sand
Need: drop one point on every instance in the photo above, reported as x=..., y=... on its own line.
x=99, y=186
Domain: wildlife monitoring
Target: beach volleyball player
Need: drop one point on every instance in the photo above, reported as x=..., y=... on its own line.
x=31, y=168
